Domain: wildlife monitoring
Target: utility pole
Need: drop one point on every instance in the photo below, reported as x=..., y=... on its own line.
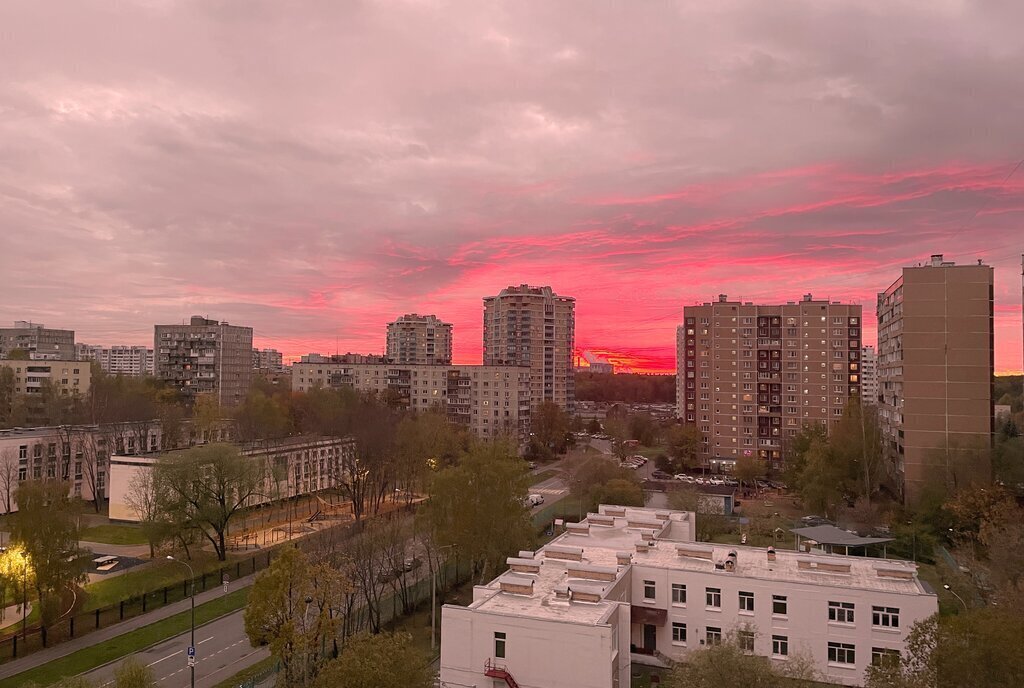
x=192, y=642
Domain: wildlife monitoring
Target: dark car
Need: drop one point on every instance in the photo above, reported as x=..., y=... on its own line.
x=661, y=475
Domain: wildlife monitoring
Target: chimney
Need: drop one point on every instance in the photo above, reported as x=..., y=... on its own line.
x=623, y=558
x=936, y=260
x=771, y=554
x=722, y=298
x=808, y=297
x=730, y=561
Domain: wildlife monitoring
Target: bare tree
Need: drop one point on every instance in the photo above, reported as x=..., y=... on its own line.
x=145, y=499
x=8, y=477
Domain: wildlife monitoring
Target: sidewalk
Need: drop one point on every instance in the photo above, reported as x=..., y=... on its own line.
x=68, y=647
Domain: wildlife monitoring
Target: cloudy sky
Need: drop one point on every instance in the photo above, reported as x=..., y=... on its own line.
x=314, y=169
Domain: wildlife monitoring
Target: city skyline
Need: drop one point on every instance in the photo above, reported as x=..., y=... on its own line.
x=316, y=174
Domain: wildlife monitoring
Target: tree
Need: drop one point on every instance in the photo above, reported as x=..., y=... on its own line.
x=617, y=430
x=822, y=482
x=294, y=609
x=8, y=477
x=710, y=519
x=618, y=491
x=478, y=506
x=748, y=470
x=727, y=665
x=593, y=427
x=133, y=674
x=206, y=416
x=550, y=427
x=208, y=485
x=260, y=417
x=46, y=526
x=594, y=480
x=979, y=648
x=384, y=660
x=683, y=444
x=150, y=506
x=7, y=396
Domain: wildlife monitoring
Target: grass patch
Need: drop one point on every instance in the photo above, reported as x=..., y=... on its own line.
x=89, y=658
x=114, y=535
x=244, y=675
x=544, y=475
x=148, y=578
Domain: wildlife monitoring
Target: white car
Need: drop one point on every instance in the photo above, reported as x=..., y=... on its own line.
x=535, y=500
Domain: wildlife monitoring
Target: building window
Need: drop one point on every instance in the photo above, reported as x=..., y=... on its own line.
x=745, y=639
x=841, y=653
x=499, y=645
x=840, y=612
x=780, y=607
x=884, y=656
x=746, y=601
x=649, y=590
x=713, y=636
x=713, y=598
x=885, y=617
x=678, y=593
x=780, y=646
x=678, y=633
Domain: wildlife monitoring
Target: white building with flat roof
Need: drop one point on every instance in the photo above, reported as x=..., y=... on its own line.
x=630, y=584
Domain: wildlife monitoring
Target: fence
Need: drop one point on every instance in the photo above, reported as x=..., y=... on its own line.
x=21, y=643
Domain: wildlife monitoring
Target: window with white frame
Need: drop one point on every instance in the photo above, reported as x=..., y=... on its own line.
x=780, y=646
x=649, y=590
x=840, y=612
x=842, y=653
x=745, y=640
x=885, y=617
x=678, y=593
x=746, y=601
x=884, y=656
x=780, y=605
x=678, y=632
x=713, y=636
x=713, y=598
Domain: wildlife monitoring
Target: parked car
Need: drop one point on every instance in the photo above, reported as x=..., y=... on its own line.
x=661, y=475
x=531, y=465
x=535, y=499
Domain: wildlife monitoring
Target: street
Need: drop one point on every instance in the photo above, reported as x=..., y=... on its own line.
x=222, y=650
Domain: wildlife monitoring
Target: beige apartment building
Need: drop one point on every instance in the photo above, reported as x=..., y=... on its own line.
x=268, y=360
x=205, y=357
x=489, y=400
x=935, y=372
x=419, y=340
x=533, y=326
x=869, y=375
x=39, y=341
x=629, y=585
x=750, y=375
x=71, y=377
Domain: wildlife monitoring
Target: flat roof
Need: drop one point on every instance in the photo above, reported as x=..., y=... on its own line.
x=602, y=538
x=831, y=535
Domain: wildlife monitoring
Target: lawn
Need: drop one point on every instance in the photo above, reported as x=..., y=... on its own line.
x=91, y=657
x=147, y=578
x=258, y=669
x=111, y=534
x=544, y=475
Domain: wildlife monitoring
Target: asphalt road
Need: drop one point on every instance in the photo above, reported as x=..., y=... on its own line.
x=221, y=651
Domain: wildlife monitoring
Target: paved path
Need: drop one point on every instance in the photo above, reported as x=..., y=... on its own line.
x=222, y=650
x=63, y=649
x=136, y=551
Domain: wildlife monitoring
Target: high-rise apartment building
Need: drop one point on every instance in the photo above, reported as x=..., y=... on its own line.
x=935, y=368
x=489, y=400
x=267, y=359
x=118, y=360
x=533, y=326
x=419, y=340
x=749, y=376
x=205, y=357
x=868, y=375
x=38, y=340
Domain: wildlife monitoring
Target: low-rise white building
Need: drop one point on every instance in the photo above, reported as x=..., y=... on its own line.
x=291, y=466
x=630, y=584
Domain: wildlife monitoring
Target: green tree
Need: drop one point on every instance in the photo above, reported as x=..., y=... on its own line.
x=46, y=526
x=748, y=470
x=727, y=665
x=425, y=441
x=683, y=444
x=208, y=485
x=795, y=451
x=260, y=417
x=293, y=609
x=550, y=427
x=622, y=492
x=384, y=660
x=822, y=482
x=593, y=427
x=132, y=673
x=710, y=519
x=478, y=506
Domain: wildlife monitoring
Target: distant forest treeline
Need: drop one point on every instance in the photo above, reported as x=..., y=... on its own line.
x=628, y=387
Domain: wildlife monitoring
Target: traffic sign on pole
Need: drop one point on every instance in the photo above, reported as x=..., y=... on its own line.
x=191, y=656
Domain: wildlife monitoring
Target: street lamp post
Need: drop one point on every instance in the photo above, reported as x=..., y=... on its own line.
x=946, y=586
x=433, y=606
x=192, y=596
x=24, y=597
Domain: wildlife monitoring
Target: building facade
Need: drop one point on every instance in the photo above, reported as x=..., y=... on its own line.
x=38, y=340
x=269, y=360
x=70, y=377
x=534, y=327
x=627, y=584
x=935, y=372
x=118, y=360
x=419, y=340
x=205, y=357
x=868, y=375
x=489, y=400
x=749, y=376
x=291, y=467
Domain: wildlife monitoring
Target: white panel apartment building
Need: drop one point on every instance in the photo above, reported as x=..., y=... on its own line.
x=292, y=466
x=489, y=400
x=118, y=360
x=629, y=584
x=869, y=375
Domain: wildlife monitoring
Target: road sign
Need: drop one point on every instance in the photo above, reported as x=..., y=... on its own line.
x=191, y=656
x=225, y=580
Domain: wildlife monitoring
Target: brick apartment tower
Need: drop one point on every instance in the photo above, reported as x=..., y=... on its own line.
x=419, y=340
x=935, y=366
x=205, y=357
x=749, y=376
x=533, y=326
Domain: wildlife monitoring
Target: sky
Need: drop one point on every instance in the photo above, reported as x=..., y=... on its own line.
x=315, y=169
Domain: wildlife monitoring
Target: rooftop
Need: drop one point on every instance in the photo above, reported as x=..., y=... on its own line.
x=569, y=578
